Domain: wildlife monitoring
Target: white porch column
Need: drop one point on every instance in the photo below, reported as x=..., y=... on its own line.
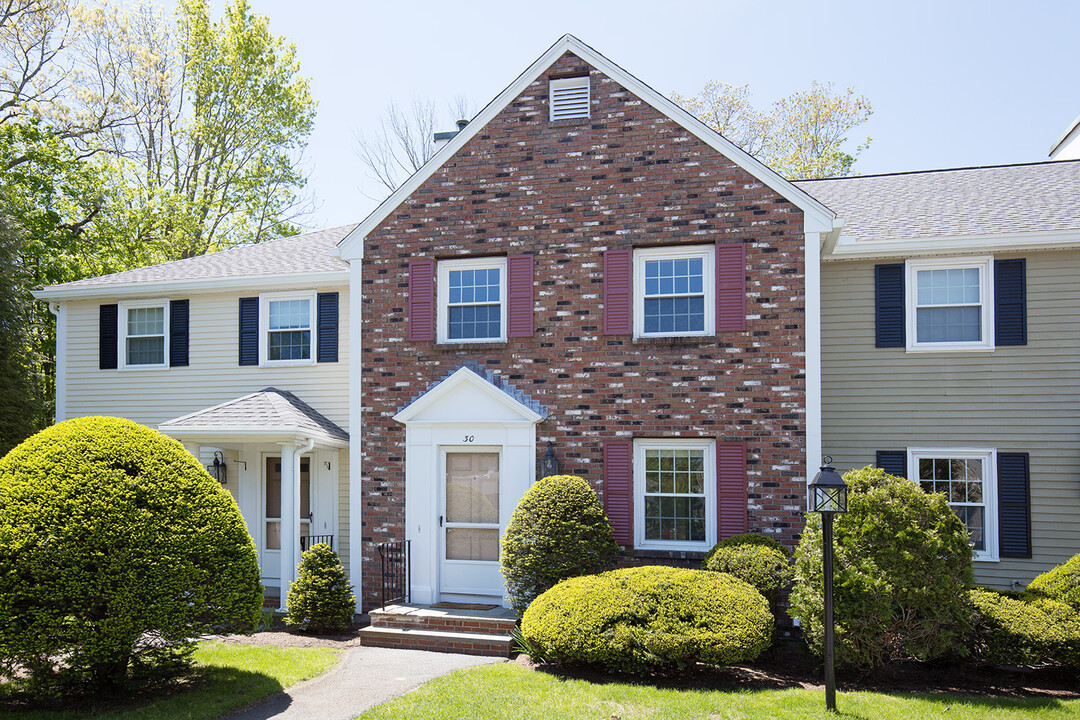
x=290, y=509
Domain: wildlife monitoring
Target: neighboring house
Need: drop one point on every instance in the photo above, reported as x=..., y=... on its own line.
x=587, y=275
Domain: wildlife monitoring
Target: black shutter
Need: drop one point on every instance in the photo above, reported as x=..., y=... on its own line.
x=327, y=323
x=107, y=330
x=889, y=305
x=249, y=331
x=1010, y=302
x=1014, y=505
x=893, y=462
x=178, y=333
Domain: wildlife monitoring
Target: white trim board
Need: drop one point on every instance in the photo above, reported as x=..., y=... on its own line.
x=165, y=288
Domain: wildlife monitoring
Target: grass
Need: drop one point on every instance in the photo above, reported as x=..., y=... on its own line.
x=491, y=692
x=230, y=677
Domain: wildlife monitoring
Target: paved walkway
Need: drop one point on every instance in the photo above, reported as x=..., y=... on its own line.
x=365, y=677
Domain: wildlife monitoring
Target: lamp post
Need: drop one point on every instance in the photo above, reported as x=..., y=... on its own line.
x=828, y=496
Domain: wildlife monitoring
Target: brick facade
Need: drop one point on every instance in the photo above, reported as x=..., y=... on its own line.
x=566, y=191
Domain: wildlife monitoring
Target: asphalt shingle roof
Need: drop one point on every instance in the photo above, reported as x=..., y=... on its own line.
x=963, y=201
x=266, y=408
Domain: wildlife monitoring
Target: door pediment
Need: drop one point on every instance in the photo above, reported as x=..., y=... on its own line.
x=466, y=396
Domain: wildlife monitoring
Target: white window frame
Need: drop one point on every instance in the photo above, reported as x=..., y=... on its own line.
x=581, y=82
x=122, y=336
x=264, y=327
x=443, y=293
x=708, y=280
x=985, y=266
x=708, y=445
x=990, y=510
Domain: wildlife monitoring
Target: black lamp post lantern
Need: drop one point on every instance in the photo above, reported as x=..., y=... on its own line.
x=828, y=496
x=549, y=465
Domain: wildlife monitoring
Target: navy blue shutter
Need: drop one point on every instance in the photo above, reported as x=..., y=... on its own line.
x=178, y=333
x=107, y=330
x=1014, y=505
x=893, y=462
x=249, y=331
x=889, y=305
x=1010, y=302
x=327, y=323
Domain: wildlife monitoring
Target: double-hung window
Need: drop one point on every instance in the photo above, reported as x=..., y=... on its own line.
x=967, y=478
x=673, y=291
x=287, y=333
x=472, y=300
x=143, y=334
x=951, y=305
x=674, y=493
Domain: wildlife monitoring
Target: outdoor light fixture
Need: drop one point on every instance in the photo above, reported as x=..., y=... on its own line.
x=219, y=470
x=828, y=496
x=549, y=465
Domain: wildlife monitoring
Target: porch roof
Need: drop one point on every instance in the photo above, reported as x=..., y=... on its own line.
x=267, y=415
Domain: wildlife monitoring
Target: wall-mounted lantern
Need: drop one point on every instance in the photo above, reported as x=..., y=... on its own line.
x=549, y=465
x=218, y=469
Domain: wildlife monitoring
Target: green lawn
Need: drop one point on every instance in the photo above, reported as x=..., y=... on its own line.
x=491, y=692
x=230, y=677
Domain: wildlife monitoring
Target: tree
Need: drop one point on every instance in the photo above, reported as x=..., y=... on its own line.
x=799, y=137
x=21, y=402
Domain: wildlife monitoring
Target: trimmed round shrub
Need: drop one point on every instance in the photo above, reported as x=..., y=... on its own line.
x=637, y=620
x=902, y=566
x=558, y=531
x=117, y=550
x=757, y=559
x=1024, y=630
x=1061, y=583
x=321, y=600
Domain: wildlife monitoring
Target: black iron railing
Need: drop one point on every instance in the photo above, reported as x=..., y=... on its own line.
x=395, y=558
x=307, y=541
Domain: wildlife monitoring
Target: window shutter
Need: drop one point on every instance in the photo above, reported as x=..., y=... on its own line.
x=618, y=292
x=519, y=296
x=1010, y=302
x=893, y=462
x=327, y=323
x=249, y=331
x=619, y=488
x=730, y=287
x=179, y=314
x=107, y=329
x=730, y=488
x=1014, y=505
x=422, y=300
x=889, y=302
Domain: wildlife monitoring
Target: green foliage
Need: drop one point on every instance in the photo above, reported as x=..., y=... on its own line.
x=1061, y=583
x=117, y=549
x=558, y=531
x=902, y=564
x=321, y=600
x=649, y=618
x=1026, y=630
x=757, y=559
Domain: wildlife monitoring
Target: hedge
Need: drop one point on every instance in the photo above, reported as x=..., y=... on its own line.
x=1024, y=630
x=757, y=559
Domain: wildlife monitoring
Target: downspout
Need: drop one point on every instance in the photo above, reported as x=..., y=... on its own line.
x=60, y=377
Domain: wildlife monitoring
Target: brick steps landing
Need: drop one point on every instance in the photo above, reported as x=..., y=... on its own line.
x=420, y=627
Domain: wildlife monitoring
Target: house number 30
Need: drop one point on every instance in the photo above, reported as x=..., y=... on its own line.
x=470, y=438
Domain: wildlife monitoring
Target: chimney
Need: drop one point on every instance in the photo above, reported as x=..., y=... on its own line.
x=441, y=138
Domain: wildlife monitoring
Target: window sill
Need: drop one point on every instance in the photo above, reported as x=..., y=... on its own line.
x=653, y=554
x=676, y=340
x=459, y=346
x=285, y=363
x=945, y=348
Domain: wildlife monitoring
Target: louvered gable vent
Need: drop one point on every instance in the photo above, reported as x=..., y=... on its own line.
x=570, y=98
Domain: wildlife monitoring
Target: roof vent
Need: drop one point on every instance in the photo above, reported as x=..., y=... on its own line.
x=441, y=138
x=569, y=98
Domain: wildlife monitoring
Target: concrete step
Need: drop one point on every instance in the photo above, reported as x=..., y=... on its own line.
x=469, y=643
x=499, y=622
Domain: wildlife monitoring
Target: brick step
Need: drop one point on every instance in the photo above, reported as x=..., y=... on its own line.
x=444, y=623
x=468, y=643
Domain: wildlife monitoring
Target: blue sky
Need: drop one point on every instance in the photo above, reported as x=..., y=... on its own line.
x=952, y=83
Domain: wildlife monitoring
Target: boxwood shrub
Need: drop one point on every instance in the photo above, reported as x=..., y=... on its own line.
x=903, y=566
x=558, y=531
x=637, y=620
x=117, y=550
x=1061, y=583
x=1024, y=629
x=757, y=559
x=321, y=600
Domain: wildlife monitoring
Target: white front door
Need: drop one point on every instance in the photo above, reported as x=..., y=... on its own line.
x=470, y=491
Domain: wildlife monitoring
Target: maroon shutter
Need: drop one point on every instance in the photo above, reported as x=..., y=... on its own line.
x=619, y=489
x=730, y=287
x=519, y=296
x=422, y=300
x=731, y=488
x=618, y=292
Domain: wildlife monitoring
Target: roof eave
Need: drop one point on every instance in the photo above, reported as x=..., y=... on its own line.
x=195, y=286
x=851, y=248
x=244, y=433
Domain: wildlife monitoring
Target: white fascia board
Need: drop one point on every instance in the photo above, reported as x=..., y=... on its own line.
x=819, y=216
x=1073, y=127
x=199, y=286
x=266, y=433
x=461, y=376
x=850, y=248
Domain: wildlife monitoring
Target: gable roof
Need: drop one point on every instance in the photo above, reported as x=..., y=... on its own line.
x=261, y=265
x=486, y=381
x=817, y=214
